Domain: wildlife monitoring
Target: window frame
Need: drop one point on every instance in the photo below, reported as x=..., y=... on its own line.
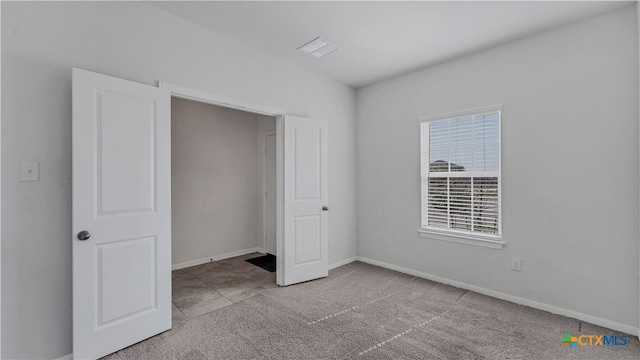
x=494, y=241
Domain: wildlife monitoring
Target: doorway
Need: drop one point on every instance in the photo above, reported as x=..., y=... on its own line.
x=219, y=168
x=223, y=203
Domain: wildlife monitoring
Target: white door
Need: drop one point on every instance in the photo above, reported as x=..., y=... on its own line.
x=270, y=192
x=122, y=200
x=306, y=190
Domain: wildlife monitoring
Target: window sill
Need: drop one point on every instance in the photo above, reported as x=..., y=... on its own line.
x=492, y=242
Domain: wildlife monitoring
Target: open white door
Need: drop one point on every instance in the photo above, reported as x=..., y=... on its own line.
x=121, y=213
x=306, y=191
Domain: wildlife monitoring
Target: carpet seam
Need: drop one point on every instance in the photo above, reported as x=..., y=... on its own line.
x=411, y=329
x=371, y=302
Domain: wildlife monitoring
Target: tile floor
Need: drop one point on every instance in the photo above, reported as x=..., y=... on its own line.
x=201, y=289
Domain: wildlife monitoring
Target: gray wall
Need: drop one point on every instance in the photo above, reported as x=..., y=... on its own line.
x=216, y=180
x=41, y=42
x=569, y=160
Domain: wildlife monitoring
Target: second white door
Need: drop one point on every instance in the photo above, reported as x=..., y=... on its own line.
x=305, y=198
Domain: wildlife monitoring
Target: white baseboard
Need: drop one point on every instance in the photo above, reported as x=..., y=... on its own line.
x=342, y=262
x=511, y=298
x=207, y=259
x=66, y=357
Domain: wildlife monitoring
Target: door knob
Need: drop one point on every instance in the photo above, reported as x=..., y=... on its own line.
x=84, y=235
x=325, y=208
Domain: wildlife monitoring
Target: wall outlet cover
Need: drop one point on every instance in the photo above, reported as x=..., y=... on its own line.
x=515, y=264
x=29, y=171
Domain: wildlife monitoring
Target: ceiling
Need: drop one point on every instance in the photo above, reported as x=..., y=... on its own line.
x=380, y=39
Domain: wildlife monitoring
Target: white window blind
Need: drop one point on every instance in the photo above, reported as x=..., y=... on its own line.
x=460, y=163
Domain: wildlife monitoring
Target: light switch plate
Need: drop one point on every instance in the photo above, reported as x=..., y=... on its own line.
x=29, y=171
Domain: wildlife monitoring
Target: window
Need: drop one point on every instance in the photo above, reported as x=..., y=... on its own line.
x=461, y=170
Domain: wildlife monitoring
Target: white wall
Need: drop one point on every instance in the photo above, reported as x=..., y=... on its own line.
x=216, y=181
x=570, y=167
x=135, y=41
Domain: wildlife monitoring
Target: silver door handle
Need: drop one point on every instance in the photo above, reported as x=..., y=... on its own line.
x=84, y=235
x=325, y=208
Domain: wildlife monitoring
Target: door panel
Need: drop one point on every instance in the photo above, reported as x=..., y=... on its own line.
x=125, y=155
x=307, y=239
x=306, y=192
x=122, y=196
x=137, y=280
x=306, y=171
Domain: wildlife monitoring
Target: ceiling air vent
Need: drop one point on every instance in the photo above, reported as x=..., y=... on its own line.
x=318, y=48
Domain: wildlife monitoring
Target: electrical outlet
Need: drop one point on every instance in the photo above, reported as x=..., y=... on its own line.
x=29, y=171
x=515, y=264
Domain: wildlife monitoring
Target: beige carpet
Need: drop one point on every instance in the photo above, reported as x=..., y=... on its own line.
x=366, y=312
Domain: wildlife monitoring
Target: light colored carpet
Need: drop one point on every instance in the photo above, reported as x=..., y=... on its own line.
x=366, y=312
